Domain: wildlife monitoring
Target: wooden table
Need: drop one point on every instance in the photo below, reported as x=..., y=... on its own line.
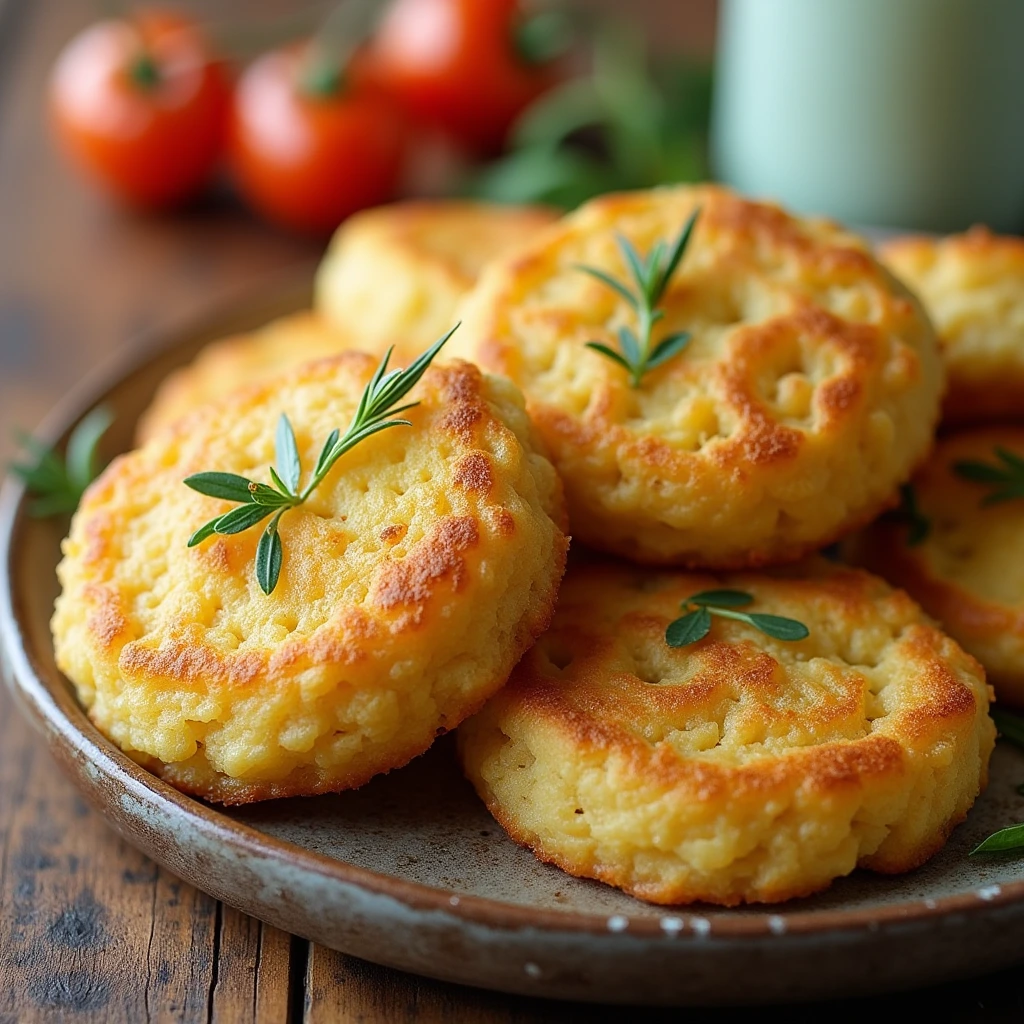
x=90, y=930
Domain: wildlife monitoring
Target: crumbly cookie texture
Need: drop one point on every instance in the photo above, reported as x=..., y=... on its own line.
x=741, y=768
x=394, y=274
x=413, y=579
x=968, y=572
x=809, y=391
x=240, y=361
x=972, y=286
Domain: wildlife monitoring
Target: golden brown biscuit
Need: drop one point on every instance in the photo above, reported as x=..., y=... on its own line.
x=413, y=579
x=740, y=768
x=224, y=366
x=972, y=286
x=968, y=571
x=394, y=274
x=809, y=390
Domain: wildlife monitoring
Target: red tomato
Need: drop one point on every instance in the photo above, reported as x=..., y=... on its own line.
x=307, y=154
x=455, y=64
x=142, y=105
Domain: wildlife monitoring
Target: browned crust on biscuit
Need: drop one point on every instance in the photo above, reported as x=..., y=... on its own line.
x=406, y=586
x=969, y=616
x=574, y=685
x=984, y=396
x=882, y=361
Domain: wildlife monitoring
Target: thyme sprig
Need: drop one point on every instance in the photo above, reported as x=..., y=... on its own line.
x=57, y=484
x=909, y=513
x=1005, y=475
x=377, y=410
x=650, y=278
x=699, y=608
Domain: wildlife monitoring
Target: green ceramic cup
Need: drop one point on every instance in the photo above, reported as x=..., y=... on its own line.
x=891, y=112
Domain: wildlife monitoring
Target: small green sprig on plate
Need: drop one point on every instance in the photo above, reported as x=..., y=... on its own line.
x=376, y=411
x=1005, y=475
x=650, y=277
x=57, y=484
x=1006, y=840
x=699, y=608
x=918, y=525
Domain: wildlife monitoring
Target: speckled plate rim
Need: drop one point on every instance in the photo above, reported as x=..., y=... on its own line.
x=73, y=738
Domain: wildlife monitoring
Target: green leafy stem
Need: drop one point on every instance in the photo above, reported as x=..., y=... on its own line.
x=919, y=526
x=57, y=484
x=699, y=609
x=376, y=411
x=650, y=278
x=1005, y=475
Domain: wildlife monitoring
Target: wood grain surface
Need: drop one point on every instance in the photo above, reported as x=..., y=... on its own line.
x=90, y=930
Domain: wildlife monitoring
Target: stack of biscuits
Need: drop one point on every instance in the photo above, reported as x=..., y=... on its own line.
x=423, y=586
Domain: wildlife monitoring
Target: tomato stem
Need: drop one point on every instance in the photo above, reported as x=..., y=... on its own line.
x=543, y=37
x=319, y=78
x=144, y=71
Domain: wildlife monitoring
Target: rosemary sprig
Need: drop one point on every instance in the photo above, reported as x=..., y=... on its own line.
x=57, y=484
x=696, y=623
x=376, y=411
x=909, y=513
x=1005, y=475
x=650, y=278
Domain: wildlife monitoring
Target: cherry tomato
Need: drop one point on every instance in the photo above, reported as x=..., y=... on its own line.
x=306, y=149
x=456, y=64
x=142, y=105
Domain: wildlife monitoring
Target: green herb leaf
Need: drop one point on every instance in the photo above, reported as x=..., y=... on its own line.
x=1010, y=726
x=630, y=345
x=649, y=278
x=241, y=518
x=676, y=255
x=779, y=627
x=81, y=458
x=979, y=472
x=1019, y=789
x=610, y=353
x=609, y=281
x=1005, y=475
x=722, y=598
x=286, y=454
x=667, y=348
x=377, y=410
x=725, y=603
x=332, y=440
x=1003, y=841
x=689, y=629
x=204, y=531
x=919, y=526
x=57, y=484
x=270, y=496
x=269, y=556
x=229, y=486
x=637, y=266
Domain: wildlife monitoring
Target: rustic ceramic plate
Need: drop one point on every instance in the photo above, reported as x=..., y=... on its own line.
x=410, y=871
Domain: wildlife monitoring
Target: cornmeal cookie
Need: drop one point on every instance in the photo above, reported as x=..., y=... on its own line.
x=973, y=288
x=412, y=580
x=808, y=391
x=226, y=365
x=738, y=768
x=394, y=274
x=961, y=553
